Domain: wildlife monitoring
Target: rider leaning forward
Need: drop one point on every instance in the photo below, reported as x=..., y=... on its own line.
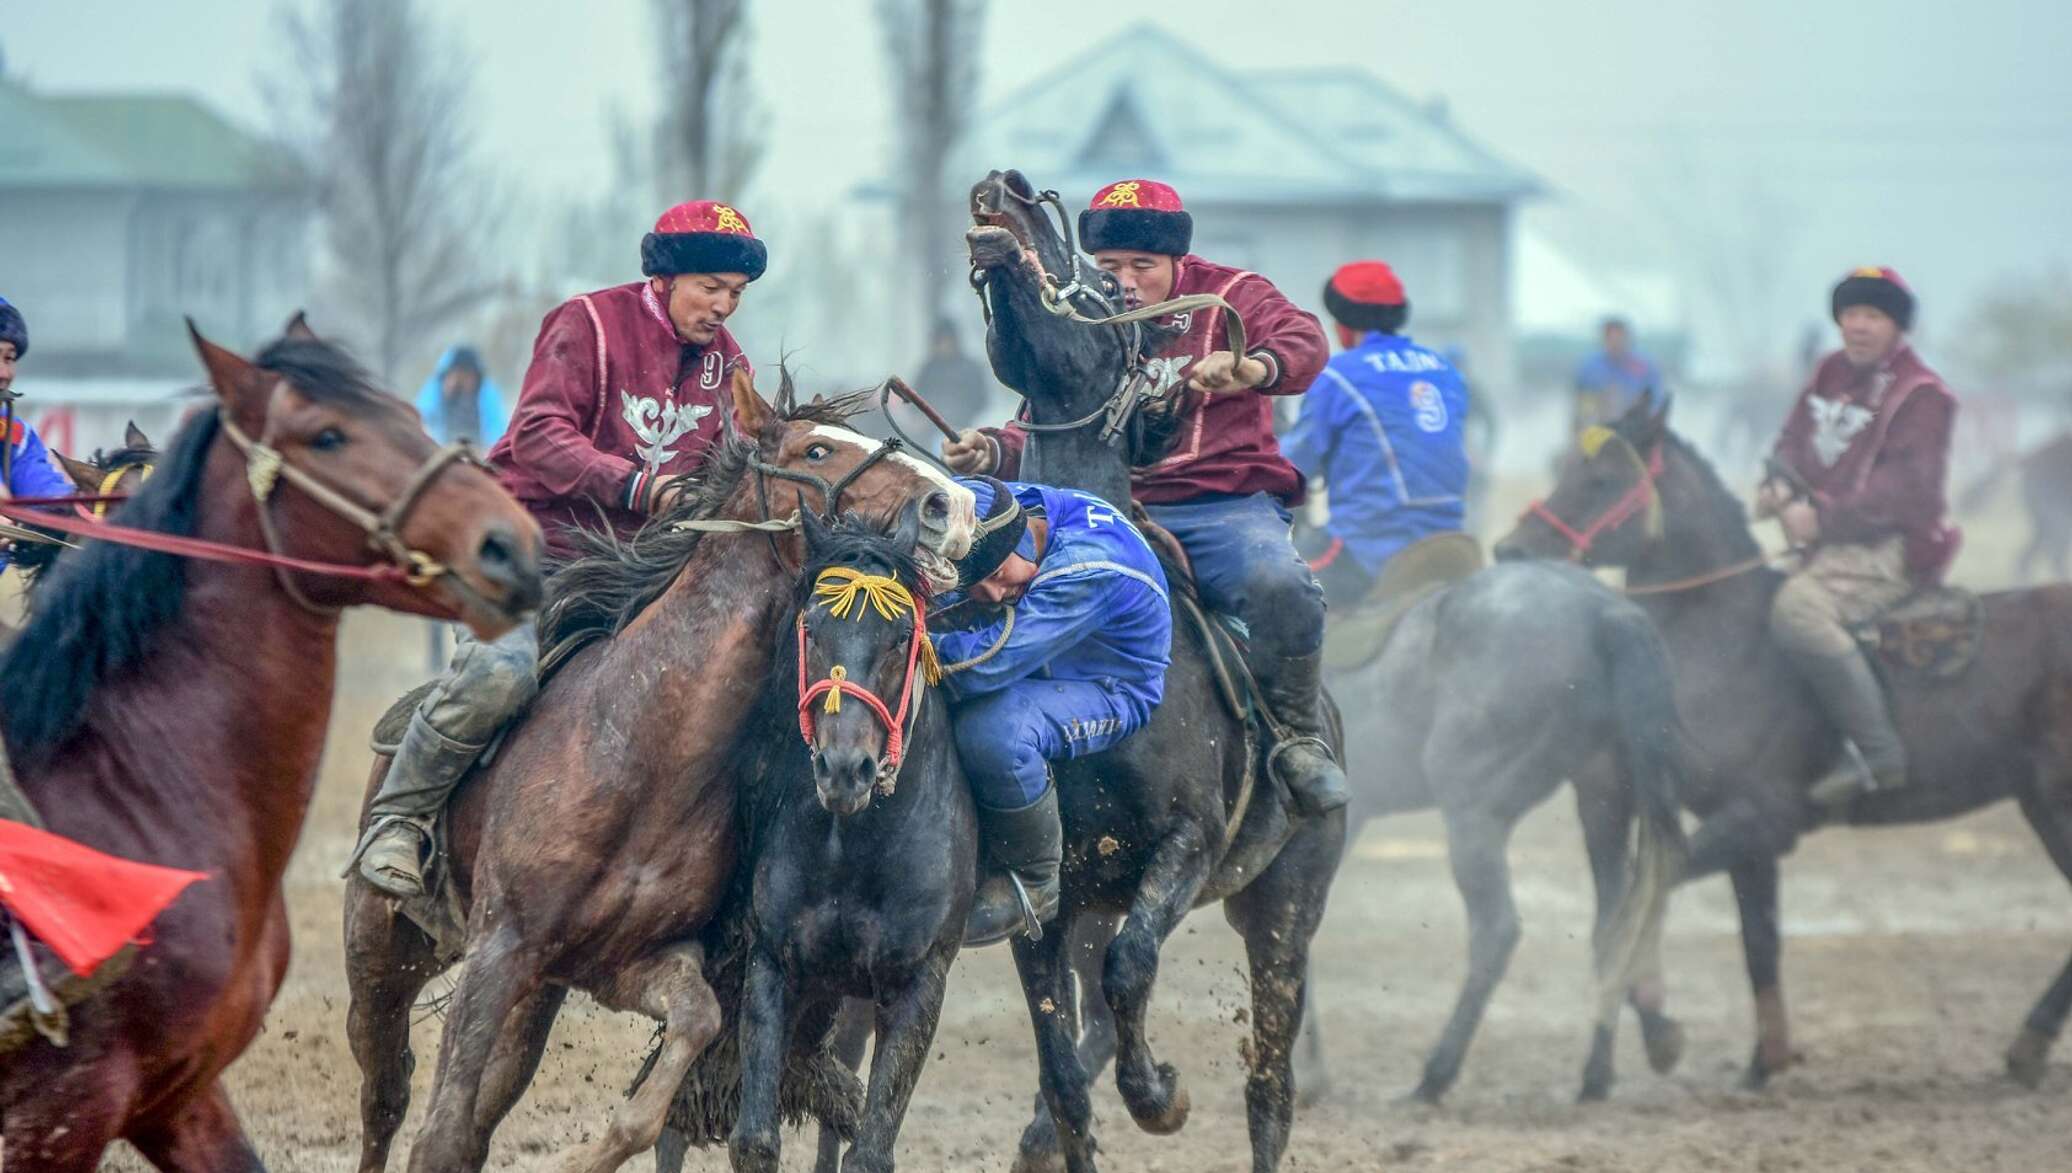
x=25, y=467
x=1225, y=489
x=1858, y=480
x=629, y=387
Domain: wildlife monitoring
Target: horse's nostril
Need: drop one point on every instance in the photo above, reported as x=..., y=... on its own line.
x=499, y=549
x=935, y=507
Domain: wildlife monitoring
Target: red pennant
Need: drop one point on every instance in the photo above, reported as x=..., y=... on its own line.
x=83, y=904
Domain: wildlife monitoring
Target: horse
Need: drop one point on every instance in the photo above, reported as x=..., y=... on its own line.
x=173, y=712
x=1640, y=497
x=108, y=473
x=863, y=842
x=600, y=837
x=2046, y=475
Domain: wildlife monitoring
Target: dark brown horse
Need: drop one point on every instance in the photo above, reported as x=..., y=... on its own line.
x=2046, y=479
x=173, y=712
x=600, y=838
x=2003, y=729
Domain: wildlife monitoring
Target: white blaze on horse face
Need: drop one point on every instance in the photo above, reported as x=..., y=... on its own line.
x=954, y=540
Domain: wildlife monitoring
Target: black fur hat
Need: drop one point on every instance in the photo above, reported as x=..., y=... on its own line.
x=1000, y=527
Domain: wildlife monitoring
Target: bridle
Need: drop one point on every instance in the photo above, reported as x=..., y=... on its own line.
x=843, y=589
x=1636, y=501
x=769, y=527
x=105, y=493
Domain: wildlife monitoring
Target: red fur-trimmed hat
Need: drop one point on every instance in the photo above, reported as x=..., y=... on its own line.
x=702, y=236
x=1367, y=295
x=1141, y=215
x=1879, y=287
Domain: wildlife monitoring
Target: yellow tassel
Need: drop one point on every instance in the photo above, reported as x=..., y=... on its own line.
x=1593, y=439
x=931, y=667
x=833, y=704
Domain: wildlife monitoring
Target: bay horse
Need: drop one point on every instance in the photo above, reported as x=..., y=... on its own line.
x=1651, y=504
x=862, y=843
x=173, y=712
x=106, y=473
x=598, y=840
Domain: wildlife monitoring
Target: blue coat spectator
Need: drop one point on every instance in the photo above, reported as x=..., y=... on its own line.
x=460, y=401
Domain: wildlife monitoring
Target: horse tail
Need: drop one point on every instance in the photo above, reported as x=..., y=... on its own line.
x=1979, y=493
x=1653, y=757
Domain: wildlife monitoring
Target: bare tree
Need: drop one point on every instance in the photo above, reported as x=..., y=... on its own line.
x=709, y=140
x=932, y=47
x=375, y=110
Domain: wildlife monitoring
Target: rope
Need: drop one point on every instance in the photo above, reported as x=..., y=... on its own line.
x=727, y=525
x=1006, y=629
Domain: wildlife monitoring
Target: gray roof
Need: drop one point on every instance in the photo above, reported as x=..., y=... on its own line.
x=1325, y=136
x=126, y=140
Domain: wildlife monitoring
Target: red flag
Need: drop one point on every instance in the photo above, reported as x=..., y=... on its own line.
x=81, y=903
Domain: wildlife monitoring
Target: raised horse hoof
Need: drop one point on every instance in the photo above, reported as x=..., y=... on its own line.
x=2028, y=1058
x=1424, y=1095
x=1166, y=1113
x=1664, y=1038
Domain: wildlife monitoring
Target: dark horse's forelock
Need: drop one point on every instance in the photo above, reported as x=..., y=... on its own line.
x=611, y=580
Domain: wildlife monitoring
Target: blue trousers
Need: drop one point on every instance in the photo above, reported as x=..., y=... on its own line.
x=1005, y=737
x=1246, y=565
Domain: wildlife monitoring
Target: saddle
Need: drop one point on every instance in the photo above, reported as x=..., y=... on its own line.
x=1931, y=637
x=1354, y=638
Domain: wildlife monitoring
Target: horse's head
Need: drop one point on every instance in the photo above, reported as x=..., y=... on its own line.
x=1606, y=508
x=805, y=460
x=863, y=654
x=116, y=473
x=344, y=473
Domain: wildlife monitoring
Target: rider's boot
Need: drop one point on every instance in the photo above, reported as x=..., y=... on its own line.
x=1874, y=756
x=1302, y=760
x=1028, y=845
x=393, y=852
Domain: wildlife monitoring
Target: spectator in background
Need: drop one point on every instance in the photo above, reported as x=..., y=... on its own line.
x=461, y=402
x=1611, y=381
x=957, y=384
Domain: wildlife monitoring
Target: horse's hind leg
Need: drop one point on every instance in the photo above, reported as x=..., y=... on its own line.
x=1605, y=808
x=1278, y=915
x=1046, y=985
x=1089, y=1020
x=517, y=1055
x=203, y=1136
x=668, y=984
x=1755, y=893
x=2030, y=1052
x=906, y=1029
x=388, y=960
x=1179, y=867
x=1475, y=844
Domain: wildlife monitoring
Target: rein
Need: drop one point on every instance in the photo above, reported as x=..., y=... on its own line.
x=842, y=590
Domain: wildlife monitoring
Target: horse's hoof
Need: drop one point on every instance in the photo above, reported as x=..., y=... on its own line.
x=1424, y=1095
x=1664, y=1039
x=2028, y=1058
x=1597, y=1087
x=1039, y=1163
x=1164, y=1114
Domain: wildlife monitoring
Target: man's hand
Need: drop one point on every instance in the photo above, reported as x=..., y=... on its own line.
x=662, y=493
x=1771, y=497
x=1223, y=372
x=1801, y=523
x=970, y=454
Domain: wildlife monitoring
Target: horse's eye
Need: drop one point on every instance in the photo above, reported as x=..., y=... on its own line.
x=819, y=452
x=328, y=440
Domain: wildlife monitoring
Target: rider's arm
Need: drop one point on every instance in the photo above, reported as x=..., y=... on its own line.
x=1008, y=442
x=33, y=474
x=1309, y=443
x=549, y=436
x=1281, y=334
x=1905, y=485
x=1062, y=608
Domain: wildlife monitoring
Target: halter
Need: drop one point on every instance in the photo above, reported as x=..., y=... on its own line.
x=1641, y=498
x=839, y=589
x=106, y=490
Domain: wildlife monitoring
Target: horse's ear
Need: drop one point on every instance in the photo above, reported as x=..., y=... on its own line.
x=1654, y=422
x=134, y=437
x=787, y=392
x=234, y=380
x=298, y=329
x=84, y=475
x=814, y=530
x=751, y=413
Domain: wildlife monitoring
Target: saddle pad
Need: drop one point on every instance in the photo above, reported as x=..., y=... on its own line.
x=1932, y=634
x=1419, y=570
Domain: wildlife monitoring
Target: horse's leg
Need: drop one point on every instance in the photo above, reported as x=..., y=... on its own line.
x=388, y=960
x=906, y=1029
x=1152, y=1091
x=1047, y=987
x=1277, y=914
x=203, y=1136
x=1090, y=1021
x=517, y=1055
x=2047, y=811
x=1605, y=808
x=1312, y=1075
x=1755, y=893
x=669, y=985
x=762, y=1028
x=1475, y=844
x=498, y=974
x=852, y=1035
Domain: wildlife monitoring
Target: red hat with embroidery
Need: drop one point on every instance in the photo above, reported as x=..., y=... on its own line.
x=1879, y=287
x=702, y=236
x=1367, y=295
x=1141, y=215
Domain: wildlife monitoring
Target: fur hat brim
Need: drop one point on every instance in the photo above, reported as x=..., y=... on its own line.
x=668, y=254
x=1877, y=293
x=1364, y=315
x=1145, y=230
x=1000, y=531
x=14, y=329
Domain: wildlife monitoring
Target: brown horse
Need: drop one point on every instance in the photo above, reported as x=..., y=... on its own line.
x=600, y=838
x=2046, y=473
x=115, y=473
x=2003, y=729
x=173, y=712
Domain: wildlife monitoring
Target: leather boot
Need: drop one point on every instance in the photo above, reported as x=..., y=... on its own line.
x=427, y=766
x=1302, y=761
x=1028, y=845
x=1874, y=757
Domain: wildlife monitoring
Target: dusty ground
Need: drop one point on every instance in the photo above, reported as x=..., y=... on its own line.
x=1911, y=957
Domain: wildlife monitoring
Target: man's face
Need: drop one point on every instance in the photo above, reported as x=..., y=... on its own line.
x=6, y=365
x=1005, y=586
x=701, y=303
x=1616, y=340
x=1145, y=277
x=460, y=382
x=1868, y=334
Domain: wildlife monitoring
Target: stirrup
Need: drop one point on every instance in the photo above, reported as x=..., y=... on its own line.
x=1283, y=745
x=1031, y=927
x=374, y=831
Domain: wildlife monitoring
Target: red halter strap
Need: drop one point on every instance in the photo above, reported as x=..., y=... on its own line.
x=1634, y=501
x=837, y=682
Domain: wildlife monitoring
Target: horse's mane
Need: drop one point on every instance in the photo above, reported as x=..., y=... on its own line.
x=1724, y=512
x=611, y=579
x=96, y=615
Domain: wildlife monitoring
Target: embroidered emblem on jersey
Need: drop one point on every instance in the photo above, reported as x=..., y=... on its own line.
x=1122, y=195
x=1184, y=321
x=1429, y=405
x=658, y=425
x=1162, y=373
x=1836, y=424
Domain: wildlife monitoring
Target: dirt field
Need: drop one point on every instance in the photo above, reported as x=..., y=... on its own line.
x=1911, y=957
